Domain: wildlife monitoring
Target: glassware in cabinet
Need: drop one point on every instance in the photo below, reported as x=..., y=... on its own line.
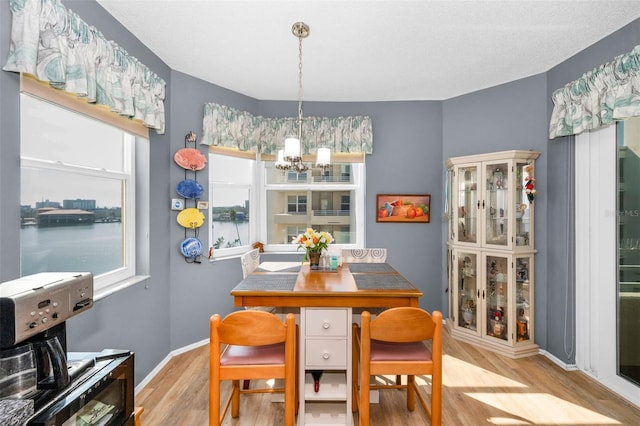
x=492, y=229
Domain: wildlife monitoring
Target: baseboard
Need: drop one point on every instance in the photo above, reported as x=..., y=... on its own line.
x=166, y=360
x=559, y=362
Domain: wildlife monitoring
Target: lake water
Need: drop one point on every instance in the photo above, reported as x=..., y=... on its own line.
x=95, y=248
x=230, y=232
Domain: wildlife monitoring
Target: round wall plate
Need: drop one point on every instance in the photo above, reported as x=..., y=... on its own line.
x=190, y=188
x=191, y=247
x=191, y=218
x=190, y=159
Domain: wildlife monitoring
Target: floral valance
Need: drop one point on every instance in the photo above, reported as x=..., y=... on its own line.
x=601, y=96
x=229, y=127
x=55, y=45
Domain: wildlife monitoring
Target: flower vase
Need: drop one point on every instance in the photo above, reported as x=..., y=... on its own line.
x=314, y=260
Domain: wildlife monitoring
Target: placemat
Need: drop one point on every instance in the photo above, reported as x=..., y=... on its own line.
x=382, y=281
x=370, y=267
x=289, y=269
x=268, y=282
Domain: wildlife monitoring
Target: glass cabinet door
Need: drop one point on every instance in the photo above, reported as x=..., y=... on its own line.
x=496, y=204
x=497, y=296
x=523, y=208
x=467, y=273
x=523, y=298
x=467, y=202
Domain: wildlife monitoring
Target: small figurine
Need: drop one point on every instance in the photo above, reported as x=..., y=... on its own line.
x=258, y=245
x=529, y=183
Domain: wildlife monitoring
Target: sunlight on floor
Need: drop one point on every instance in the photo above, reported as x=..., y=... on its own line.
x=518, y=407
x=464, y=374
x=541, y=408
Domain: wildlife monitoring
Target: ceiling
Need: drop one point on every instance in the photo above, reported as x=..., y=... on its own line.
x=368, y=50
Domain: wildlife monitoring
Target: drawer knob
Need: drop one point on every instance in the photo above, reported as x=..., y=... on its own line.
x=326, y=325
x=326, y=355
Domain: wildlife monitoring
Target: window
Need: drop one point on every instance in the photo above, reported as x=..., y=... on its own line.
x=250, y=200
x=329, y=200
x=232, y=209
x=78, y=203
x=297, y=204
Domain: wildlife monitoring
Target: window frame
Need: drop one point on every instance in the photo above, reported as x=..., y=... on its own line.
x=358, y=171
x=253, y=208
x=135, y=174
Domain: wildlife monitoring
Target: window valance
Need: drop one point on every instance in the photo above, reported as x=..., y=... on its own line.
x=55, y=45
x=601, y=96
x=229, y=127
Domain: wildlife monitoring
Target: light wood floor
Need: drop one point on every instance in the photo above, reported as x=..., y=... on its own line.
x=479, y=388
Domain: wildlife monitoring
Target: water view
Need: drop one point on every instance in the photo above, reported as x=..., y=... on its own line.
x=230, y=234
x=94, y=248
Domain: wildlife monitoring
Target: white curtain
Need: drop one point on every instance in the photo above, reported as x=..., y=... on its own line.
x=55, y=45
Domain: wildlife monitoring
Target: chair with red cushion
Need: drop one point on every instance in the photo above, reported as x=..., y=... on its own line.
x=394, y=344
x=257, y=346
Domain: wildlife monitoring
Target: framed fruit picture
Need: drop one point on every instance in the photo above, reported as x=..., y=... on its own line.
x=404, y=208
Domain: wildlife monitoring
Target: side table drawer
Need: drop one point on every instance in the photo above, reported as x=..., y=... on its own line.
x=326, y=322
x=326, y=353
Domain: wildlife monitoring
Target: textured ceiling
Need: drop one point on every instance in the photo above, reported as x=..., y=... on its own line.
x=368, y=50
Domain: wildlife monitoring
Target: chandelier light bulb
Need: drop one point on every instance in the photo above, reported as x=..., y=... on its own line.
x=323, y=157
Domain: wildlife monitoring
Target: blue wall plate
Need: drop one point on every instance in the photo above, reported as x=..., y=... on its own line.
x=190, y=188
x=191, y=247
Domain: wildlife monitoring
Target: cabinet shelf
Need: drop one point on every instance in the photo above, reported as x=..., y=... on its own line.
x=319, y=413
x=325, y=334
x=333, y=387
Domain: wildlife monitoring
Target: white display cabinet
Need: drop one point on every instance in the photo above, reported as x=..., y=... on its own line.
x=491, y=251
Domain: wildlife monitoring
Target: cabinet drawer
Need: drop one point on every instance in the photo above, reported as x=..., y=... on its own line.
x=326, y=353
x=326, y=322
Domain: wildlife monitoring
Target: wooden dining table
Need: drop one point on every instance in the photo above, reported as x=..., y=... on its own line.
x=355, y=285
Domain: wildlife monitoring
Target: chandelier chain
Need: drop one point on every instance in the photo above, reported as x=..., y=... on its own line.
x=300, y=88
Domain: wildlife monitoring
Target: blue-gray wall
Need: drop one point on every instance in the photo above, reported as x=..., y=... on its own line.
x=411, y=142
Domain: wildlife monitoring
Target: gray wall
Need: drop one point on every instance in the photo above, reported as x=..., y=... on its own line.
x=411, y=142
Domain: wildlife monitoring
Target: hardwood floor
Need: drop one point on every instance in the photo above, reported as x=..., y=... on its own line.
x=479, y=387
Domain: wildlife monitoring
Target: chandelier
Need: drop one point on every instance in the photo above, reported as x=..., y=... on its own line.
x=290, y=158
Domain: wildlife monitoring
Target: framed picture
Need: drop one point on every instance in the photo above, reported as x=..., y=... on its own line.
x=405, y=208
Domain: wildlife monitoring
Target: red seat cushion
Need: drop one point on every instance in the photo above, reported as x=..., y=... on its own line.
x=391, y=351
x=258, y=355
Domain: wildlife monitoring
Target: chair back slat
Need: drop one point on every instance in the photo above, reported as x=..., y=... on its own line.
x=366, y=255
x=402, y=325
x=251, y=328
x=249, y=262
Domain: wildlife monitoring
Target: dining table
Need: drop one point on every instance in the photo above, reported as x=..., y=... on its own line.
x=326, y=302
x=353, y=285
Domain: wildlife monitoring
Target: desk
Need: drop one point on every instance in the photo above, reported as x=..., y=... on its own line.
x=325, y=299
x=375, y=285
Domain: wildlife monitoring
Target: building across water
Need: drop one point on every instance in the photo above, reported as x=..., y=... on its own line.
x=64, y=217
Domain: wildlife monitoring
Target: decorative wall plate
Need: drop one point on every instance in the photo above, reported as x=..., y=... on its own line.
x=191, y=247
x=191, y=218
x=190, y=159
x=190, y=188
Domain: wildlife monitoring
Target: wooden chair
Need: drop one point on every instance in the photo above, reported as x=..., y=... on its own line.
x=259, y=346
x=249, y=262
x=391, y=344
x=137, y=413
x=366, y=255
